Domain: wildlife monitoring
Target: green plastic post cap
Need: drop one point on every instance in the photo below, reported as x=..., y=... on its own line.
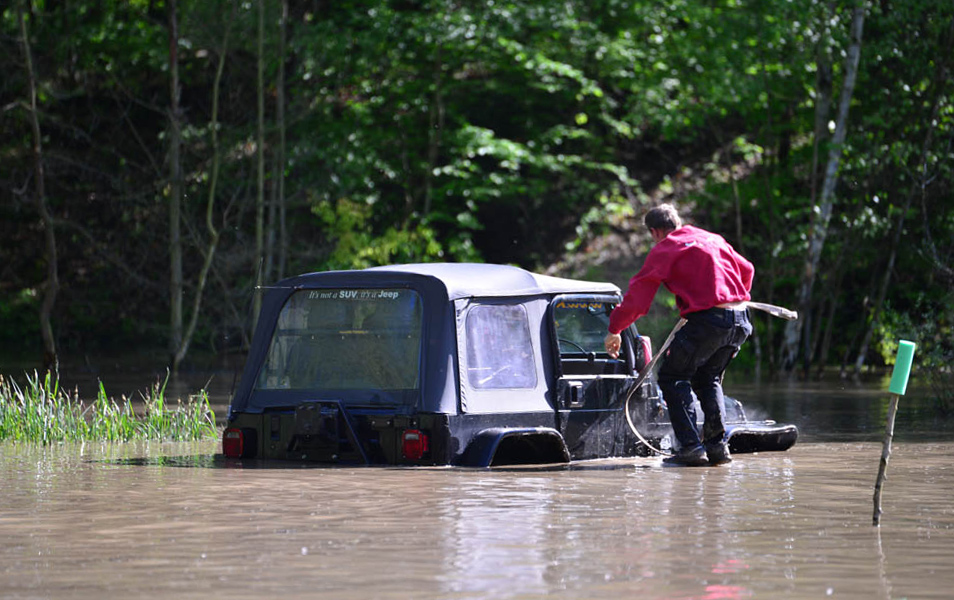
x=902, y=367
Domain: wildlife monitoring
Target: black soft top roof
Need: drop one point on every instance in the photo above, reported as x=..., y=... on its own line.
x=466, y=280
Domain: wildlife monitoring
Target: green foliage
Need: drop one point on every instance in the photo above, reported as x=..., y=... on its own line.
x=612, y=207
x=41, y=412
x=356, y=246
x=931, y=327
x=509, y=132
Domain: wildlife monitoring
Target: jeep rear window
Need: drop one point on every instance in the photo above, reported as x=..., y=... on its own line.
x=499, y=351
x=346, y=339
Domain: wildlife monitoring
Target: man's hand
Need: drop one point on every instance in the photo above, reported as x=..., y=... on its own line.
x=613, y=342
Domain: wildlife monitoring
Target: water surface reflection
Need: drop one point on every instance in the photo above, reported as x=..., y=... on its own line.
x=94, y=521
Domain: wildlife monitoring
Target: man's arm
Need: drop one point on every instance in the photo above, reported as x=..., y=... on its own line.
x=746, y=270
x=637, y=300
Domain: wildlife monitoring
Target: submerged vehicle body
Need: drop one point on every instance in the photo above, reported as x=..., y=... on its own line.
x=451, y=364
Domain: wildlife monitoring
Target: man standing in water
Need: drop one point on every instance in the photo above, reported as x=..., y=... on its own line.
x=711, y=282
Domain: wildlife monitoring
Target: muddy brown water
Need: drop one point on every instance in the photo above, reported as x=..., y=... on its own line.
x=176, y=520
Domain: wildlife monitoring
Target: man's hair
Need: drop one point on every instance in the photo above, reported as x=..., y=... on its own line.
x=663, y=217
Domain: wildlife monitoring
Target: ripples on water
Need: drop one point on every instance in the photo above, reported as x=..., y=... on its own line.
x=174, y=521
x=134, y=520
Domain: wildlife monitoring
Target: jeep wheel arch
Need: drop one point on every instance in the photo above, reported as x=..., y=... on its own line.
x=499, y=446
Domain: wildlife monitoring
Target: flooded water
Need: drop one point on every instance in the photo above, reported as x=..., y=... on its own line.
x=176, y=520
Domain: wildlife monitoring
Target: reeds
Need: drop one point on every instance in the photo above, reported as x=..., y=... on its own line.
x=40, y=412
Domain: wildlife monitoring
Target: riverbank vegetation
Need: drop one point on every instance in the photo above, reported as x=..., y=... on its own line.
x=39, y=411
x=163, y=159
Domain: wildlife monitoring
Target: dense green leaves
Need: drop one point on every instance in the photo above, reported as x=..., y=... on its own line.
x=421, y=130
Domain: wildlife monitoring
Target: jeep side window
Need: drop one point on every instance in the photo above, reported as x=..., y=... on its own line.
x=581, y=325
x=499, y=350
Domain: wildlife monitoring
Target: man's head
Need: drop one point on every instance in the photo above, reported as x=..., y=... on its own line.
x=661, y=220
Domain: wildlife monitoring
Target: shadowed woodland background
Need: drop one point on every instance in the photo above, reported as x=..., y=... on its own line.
x=159, y=160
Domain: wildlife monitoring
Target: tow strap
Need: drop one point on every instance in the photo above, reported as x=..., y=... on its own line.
x=775, y=311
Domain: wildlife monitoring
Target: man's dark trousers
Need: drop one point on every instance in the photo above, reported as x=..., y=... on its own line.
x=695, y=362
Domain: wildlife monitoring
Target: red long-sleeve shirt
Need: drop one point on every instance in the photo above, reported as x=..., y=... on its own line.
x=700, y=268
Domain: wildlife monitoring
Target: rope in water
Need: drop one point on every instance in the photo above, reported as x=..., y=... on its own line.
x=775, y=311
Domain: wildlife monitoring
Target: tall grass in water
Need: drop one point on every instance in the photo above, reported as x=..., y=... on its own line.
x=41, y=412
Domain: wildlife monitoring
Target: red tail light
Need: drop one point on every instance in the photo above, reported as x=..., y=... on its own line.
x=233, y=443
x=415, y=444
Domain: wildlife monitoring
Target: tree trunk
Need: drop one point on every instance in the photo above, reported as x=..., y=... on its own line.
x=214, y=234
x=436, y=122
x=737, y=204
x=823, y=85
x=175, y=189
x=823, y=210
x=271, y=222
x=52, y=284
x=826, y=314
x=808, y=316
x=280, y=110
x=829, y=328
x=817, y=332
x=408, y=180
x=770, y=330
x=823, y=98
x=260, y=195
x=883, y=288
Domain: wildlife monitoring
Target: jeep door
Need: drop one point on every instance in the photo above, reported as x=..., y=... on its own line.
x=591, y=387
